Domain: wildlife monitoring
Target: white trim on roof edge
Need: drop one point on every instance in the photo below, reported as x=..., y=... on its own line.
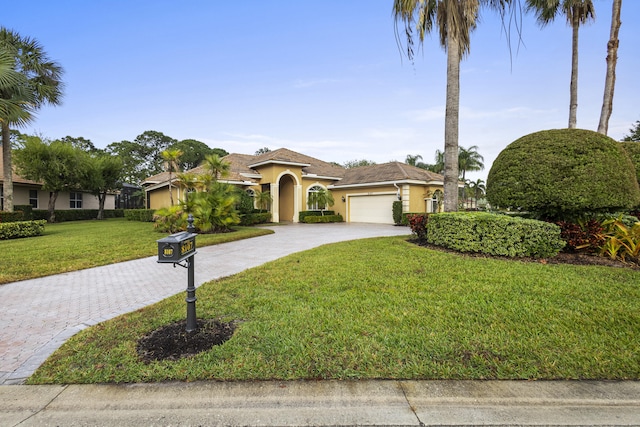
x=278, y=162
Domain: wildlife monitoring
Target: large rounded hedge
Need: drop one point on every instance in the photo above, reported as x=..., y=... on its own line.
x=563, y=172
x=633, y=150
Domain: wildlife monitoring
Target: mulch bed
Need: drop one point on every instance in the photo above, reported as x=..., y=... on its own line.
x=172, y=342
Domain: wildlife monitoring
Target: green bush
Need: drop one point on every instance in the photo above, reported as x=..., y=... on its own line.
x=303, y=214
x=11, y=216
x=397, y=212
x=313, y=219
x=255, y=218
x=27, y=211
x=14, y=230
x=558, y=173
x=494, y=234
x=633, y=150
x=142, y=215
x=78, y=214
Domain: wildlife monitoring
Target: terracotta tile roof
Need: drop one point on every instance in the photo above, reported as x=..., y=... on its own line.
x=387, y=172
x=17, y=179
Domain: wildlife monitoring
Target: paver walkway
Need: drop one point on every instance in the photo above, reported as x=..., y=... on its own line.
x=39, y=315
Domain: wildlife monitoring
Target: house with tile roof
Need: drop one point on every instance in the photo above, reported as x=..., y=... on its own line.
x=363, y=194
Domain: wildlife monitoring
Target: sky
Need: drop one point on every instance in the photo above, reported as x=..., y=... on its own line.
x=324, y=78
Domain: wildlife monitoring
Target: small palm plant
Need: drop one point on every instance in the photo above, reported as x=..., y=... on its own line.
x=321, y=198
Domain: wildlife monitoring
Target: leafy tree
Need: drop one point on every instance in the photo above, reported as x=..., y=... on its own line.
x=454, y=21
x=321, y=198
x=563, y=173
x=577, y=12
x=469, y=160
x=172, y=158
x=262, y=150
x=81, y=143
x=612, y=60
x=142, y=157
x=58, y=165
x=357, y=163
x=634, y=136
x=103, y=174
x=40, y=84
x=194, y=152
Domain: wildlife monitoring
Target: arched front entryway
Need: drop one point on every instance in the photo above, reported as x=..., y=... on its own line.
x=286, y=198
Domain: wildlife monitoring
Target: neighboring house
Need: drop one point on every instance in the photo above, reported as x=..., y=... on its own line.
x=26, y=192
x=363, y=194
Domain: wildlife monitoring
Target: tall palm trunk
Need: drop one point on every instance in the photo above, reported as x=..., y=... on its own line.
x=612, y=59
x=573, y=102
x=451, y=126
x=7, y=184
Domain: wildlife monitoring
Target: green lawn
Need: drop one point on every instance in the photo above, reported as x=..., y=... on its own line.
x=75, y=245
x=384, y=308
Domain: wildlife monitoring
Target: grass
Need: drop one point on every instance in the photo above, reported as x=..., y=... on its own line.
x=75, y=245
x=384, y=308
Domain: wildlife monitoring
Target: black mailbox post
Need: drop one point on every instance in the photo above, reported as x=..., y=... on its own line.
x=174, y=249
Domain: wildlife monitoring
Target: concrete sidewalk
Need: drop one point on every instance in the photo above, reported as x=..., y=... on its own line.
x=325, y=403
x=39, y=315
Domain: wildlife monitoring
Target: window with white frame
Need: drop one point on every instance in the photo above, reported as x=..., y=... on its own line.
x=75, y=200
x=312, y=205
x=434, y=202
x=33, y=198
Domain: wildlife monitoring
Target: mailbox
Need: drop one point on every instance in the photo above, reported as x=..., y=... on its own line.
x=176, y=247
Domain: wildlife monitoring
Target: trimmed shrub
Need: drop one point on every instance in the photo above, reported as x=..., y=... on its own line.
x=397, y=212
x=255, y=218
x=27, y=211
x=14, y=216
x=303, y=214
x=78, y=214
x=314, y=219
x=142, y=215
x=15, y=230
x=559, y=173
x=494, y=234
x=633, y=150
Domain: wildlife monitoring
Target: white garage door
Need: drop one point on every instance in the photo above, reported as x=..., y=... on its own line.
x=376, y=209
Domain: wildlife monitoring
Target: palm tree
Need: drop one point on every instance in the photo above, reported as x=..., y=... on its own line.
x=478, y=188
x=469, y=160
x=263, y=199
x=455, y=20
x=39, y=85
x=171, y=157
x=612, y=59
x=217, y=167
x=578, y=12
x=321, y=198
x=412, y=160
